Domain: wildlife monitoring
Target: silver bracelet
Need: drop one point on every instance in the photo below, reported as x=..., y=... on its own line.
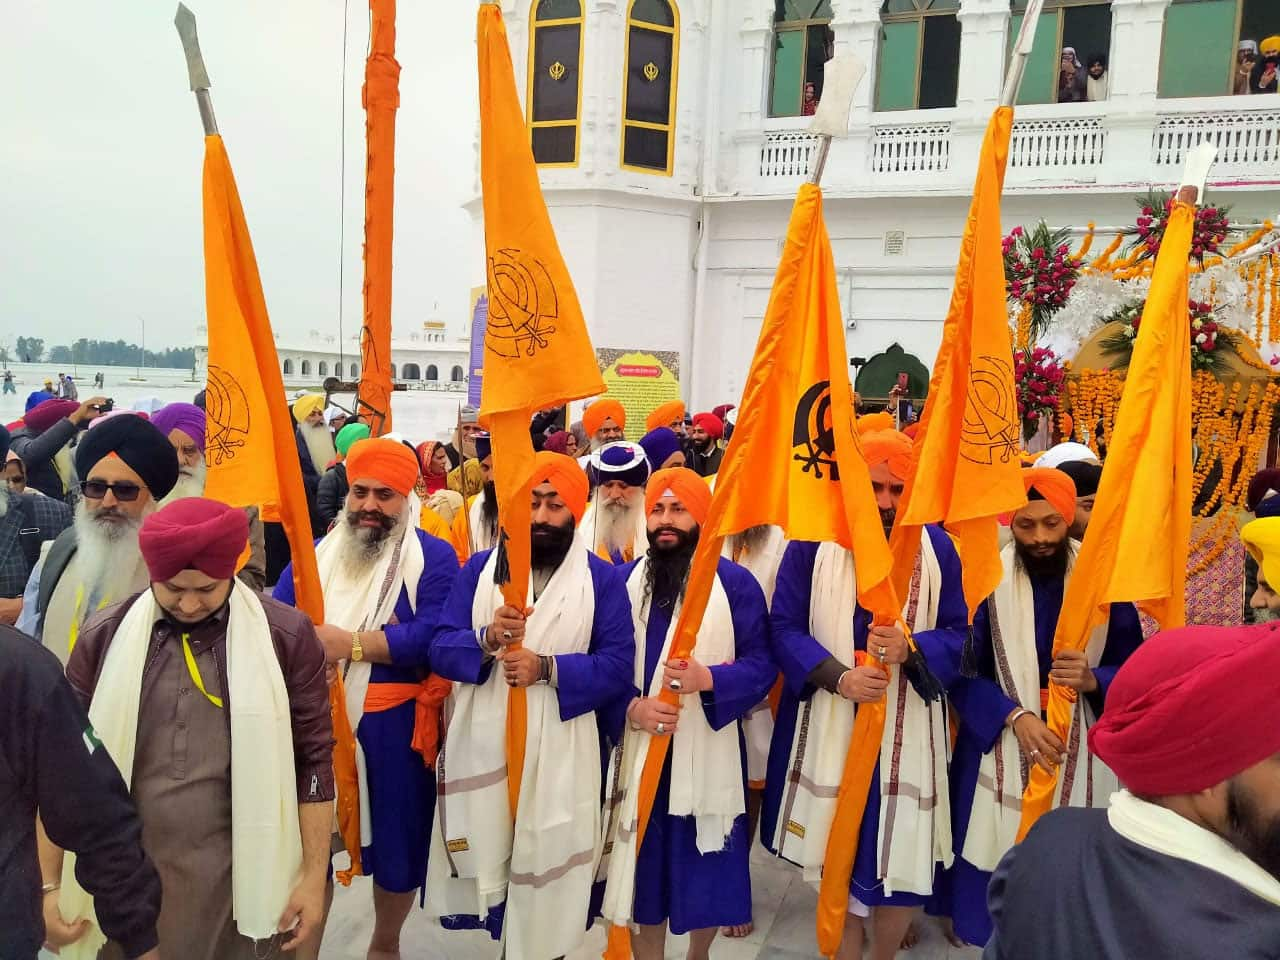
x=1017, y=715
x=839, y=681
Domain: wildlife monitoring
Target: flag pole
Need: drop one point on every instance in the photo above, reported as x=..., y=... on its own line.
x=1021, y=53
x=197, y=75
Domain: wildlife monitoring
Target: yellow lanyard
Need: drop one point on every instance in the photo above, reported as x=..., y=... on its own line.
x=195, y=671
x=75, y=616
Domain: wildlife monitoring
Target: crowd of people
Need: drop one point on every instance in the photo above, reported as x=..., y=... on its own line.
x=170, y=759
x=1257, y=66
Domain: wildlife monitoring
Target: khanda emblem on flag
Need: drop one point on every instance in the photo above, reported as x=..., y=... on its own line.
x=522, y=302
x=813, y=431
x=228, y=411
x=989, y=434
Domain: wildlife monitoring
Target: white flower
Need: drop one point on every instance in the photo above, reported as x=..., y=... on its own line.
x=1202, y=338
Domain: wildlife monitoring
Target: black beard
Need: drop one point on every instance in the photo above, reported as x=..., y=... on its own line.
x=549, y=544
x=489, y=507
x=1044, y=568
x=667, y=573
x=1250, y=832
x=887, y=517
x=387, y=524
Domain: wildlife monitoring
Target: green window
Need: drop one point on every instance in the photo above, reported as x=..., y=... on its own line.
x=803, y=42
x=1083, y=25
x=649, y=86
x=918, y=65
x=1200, y=55
x=555, y=73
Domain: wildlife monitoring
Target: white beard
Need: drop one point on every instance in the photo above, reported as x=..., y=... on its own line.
x=107, y=555
x=319, y=444
x=616, y=524
x=357, y=547
x=190, y=483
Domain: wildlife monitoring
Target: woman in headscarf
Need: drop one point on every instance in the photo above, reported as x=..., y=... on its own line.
x=1071, y=87
x=562, y=441
x=433, y=461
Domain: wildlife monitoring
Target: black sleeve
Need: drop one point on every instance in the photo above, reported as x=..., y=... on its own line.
x=38, y=450
x=826, y=675
x=86, y=808
x=327, y=500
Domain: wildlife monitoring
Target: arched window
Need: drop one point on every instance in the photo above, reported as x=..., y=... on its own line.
x=355, y=371
x=918, y=66
x=555, y=80
x=456, y=374
x=324, y=369
x=306, y=368
x=802, y=44
x=337, y=369
x=410, y=371
x=288, y=367
x=1082, y=25
x=432, y=372
x=649, y=86
x=1201, y=54
x=393, y=372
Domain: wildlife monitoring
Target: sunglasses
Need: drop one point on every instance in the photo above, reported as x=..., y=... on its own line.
x=96, y=490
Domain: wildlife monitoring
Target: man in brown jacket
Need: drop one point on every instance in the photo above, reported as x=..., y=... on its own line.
x=218, y=698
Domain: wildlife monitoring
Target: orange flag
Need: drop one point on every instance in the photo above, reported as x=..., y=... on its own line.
x=1140, y=532
x=966, y=470
x=381, y=99
x=797, y=412
x=250, y=446
x=537, y=352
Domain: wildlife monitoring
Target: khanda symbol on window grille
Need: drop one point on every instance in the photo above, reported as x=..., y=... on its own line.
x=522, y=304
x=651, y=71
x=813, y=432
x=990, y=428
x=556, y=71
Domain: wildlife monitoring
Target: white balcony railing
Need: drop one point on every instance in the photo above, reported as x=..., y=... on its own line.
x=911, y=148
x=1248, y=141
x=786, y=153
x=1053, y=144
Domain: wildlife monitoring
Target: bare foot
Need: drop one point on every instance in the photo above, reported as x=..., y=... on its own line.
x=910, y=938
x=739, y=931
x=949, y=931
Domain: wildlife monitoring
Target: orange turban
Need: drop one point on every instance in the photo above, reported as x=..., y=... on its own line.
x=665, y=415
x=888, y=446
x=871, y=422
x=686, y=486
x=1052, y=486
x=563, y=473
x=387, y=461
x=594, y=416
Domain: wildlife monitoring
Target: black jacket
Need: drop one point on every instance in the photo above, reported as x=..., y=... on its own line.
x=51, y=761
x=37, y=451
x=704, y=464
x=331, y=494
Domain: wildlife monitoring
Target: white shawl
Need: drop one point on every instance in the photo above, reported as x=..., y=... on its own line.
x=543, y=866
x=477, y=528
x=368, y=602
x=706, y=767
x=914, y=832
x=266, y=845
x=1083, y=781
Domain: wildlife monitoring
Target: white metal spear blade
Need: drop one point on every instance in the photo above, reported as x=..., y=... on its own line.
x=197, y=75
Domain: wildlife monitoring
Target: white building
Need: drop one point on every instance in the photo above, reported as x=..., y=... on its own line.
x=429, y=360
x=671, y=148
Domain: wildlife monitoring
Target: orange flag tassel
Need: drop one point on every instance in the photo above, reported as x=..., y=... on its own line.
x=381, y=100
x=1140, y=532
x=965, y=463
x=537, y=352
x=797, y=410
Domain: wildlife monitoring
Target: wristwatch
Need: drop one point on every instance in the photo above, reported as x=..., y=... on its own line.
x=357, y=648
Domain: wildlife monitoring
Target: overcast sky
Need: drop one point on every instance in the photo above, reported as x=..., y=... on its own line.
x=101, y=147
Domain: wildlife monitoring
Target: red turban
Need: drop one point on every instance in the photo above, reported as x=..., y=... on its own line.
x=594, y=416
x=687, y=487
x=387, y=461
x=710, y=423
x=194, y=534
x=563, y=473
x=1190, y=708
x=1052, y=486
x=665, y=415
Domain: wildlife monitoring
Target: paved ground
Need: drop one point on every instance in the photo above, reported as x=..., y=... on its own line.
x=784, y=909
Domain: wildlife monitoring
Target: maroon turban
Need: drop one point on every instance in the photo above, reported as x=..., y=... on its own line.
x=1192, y=708
x=44, y=415
x=194, y=534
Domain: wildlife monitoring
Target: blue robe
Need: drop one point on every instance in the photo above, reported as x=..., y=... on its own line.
x=799, y=653
x=983, y=707
x=674, y=882
x=402, y=790
x=594, y=680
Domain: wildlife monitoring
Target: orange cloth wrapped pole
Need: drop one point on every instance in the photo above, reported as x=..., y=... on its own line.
x=537, y=352
x=965, y=470
x=381, y=100
x=797, y=411
x=1140, y=532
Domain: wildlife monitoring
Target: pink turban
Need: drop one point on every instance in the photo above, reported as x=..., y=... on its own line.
x=194, y=533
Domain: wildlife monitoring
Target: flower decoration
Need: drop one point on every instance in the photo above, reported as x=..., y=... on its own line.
x=1038, y=376
x=1040, y=273
x=1211, y=227
x=1208, y=336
